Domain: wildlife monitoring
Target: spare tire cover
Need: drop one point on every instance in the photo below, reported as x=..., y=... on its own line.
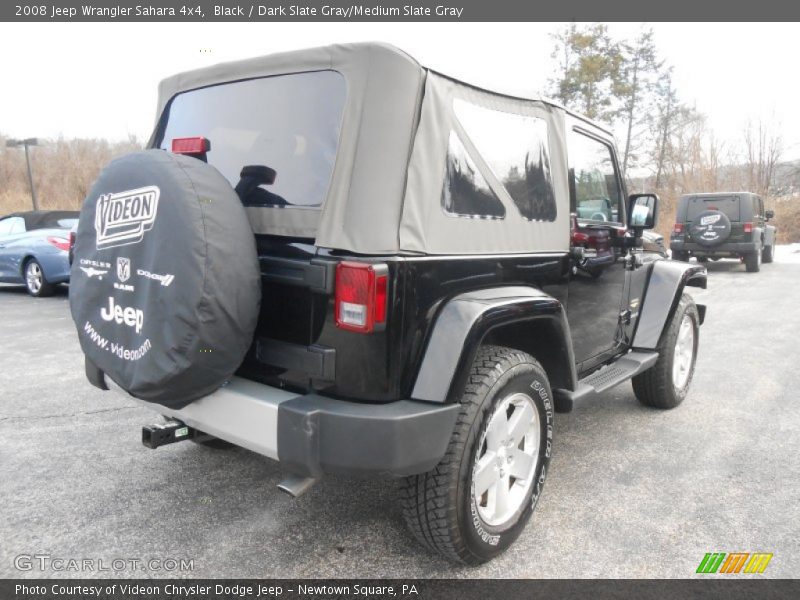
x=710, y=228
x=165, y=286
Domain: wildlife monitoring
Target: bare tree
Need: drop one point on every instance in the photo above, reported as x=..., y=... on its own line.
x=763, y=148
x=63, y=171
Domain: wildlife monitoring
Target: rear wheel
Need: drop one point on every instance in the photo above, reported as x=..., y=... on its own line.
x=476, y=502
x=35, y=281
x=752, y=262
x=702, y=259
x=665, y=384
x=766, y=254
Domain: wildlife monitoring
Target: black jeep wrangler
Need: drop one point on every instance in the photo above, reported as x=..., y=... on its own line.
x=723, y=225
x=347, y=262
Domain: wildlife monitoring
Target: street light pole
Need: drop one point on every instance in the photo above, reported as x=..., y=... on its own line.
x=26, y=143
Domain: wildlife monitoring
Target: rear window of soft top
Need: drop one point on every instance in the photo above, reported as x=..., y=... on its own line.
x=725, y=204
x=290, y=123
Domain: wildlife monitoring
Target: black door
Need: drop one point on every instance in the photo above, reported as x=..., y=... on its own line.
x=597, y=289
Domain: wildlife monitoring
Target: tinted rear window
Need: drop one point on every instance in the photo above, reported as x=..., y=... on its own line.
x=290, y=123
x=726, y=204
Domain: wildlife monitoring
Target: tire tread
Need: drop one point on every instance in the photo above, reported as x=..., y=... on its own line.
x=651, y=386
x=429, y=501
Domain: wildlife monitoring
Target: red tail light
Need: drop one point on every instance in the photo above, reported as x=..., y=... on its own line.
x=361, y=296
x=747, y=227
x=579, y=238
x=678, y=228
x=60, y=243
x=191, y=145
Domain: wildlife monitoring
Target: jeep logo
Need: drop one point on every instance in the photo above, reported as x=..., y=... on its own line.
x=710, y=219
x=124, y=217
x=132, y=317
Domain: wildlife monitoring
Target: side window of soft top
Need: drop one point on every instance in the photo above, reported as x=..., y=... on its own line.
x=465, y=192
x=594, y=182
x=515, y=147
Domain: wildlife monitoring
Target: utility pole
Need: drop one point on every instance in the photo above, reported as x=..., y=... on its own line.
x=26, y=143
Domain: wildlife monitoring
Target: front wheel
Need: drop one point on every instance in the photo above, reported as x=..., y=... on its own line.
x=476, y=502
x=35, y=282
x=666, y=383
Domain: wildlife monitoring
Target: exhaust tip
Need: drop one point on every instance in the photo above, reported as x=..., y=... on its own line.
x=296, y=486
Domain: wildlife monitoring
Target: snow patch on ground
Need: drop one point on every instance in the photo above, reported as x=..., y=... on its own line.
x=788, y=253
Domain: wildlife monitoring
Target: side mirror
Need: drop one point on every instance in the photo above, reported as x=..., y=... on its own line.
x=642, y=212
x=770, y=214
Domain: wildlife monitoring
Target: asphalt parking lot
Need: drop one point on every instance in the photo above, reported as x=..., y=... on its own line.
x=632, y=492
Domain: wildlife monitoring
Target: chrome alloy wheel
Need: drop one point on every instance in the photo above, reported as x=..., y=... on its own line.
x=684, y=353
x=33, y=277
x=506, y=459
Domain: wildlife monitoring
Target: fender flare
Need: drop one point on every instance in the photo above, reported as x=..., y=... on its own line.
x=464, y=322
x=665, y=285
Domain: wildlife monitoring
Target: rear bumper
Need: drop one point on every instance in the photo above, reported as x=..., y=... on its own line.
x=312, y=434
x=724, y=249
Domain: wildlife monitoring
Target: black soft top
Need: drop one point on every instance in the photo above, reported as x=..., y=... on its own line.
x=45, y=219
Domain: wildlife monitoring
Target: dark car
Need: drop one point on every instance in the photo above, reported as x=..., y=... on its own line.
x=34, y=249
x=349, y=263
x=723, y=225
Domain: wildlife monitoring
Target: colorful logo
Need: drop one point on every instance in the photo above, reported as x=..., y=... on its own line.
x=734, y=562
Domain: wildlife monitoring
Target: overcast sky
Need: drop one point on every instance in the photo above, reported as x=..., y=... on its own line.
x=100, y=80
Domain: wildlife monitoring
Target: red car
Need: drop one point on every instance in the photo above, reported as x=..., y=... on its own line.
x=597, y=253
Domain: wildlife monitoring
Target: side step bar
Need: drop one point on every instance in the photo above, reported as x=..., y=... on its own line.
x=605, y=378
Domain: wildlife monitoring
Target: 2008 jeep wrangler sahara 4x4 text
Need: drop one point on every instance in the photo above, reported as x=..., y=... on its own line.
x=349, y=263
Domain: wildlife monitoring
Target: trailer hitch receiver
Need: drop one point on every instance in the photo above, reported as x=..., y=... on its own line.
x=160, y=434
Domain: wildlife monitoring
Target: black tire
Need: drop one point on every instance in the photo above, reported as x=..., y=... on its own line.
x=438, y=506
x=702, y=259
x=680, y=255
x=766, y=254
x=655, y=387
x=752, y=261
x=36, y=283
